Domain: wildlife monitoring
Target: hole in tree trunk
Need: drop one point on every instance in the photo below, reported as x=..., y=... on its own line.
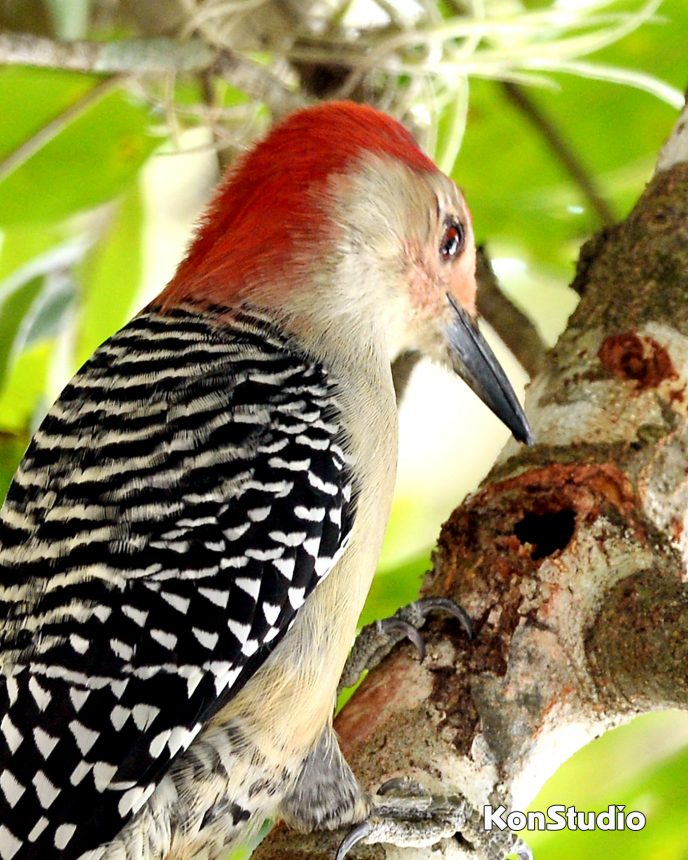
x=547, y=531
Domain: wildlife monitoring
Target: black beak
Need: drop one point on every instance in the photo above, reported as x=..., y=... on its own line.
x=476, y=364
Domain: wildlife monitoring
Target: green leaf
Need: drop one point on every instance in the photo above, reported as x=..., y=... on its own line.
x=228, y=95
x=30, y=98
x=22, y=397
x=111, y=275
x=51, y=309
x=23, y=244
x=33, y=301
x=11, y=449
x=14, y=308
x=90, y=161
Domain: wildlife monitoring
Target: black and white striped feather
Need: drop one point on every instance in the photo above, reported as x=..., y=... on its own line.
x=178, y=504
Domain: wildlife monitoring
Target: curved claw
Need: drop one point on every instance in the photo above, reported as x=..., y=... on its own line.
x=408, y=630
x=376, y=640
x=353, y=837
x=402, y=785
x=431, y=604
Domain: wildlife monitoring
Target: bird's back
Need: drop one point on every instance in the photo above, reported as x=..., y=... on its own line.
x=140, y=578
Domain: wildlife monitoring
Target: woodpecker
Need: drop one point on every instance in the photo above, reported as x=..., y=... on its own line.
x=189, y=540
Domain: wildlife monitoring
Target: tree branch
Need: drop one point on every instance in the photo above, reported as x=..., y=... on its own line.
x=514, y=328
x=572, y=559
x=151, y=56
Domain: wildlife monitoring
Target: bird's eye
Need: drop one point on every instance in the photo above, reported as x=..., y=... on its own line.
x=452, y=240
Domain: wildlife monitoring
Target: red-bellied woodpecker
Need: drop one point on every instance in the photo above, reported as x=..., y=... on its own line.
x=189, y=540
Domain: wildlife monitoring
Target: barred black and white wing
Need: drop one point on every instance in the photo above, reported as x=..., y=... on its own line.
x=180, y=501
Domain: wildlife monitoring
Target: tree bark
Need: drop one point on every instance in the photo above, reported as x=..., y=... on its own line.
x=571, y=558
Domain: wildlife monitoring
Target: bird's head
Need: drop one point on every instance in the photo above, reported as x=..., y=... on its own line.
x=339, y=223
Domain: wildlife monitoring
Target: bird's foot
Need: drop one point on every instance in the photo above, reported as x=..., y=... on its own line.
x=407, y=821
x=376, y=640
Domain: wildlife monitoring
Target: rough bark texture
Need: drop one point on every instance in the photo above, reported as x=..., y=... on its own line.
x=571, y=558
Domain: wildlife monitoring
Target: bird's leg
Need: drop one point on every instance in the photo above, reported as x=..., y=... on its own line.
x=327, y=796
x=376, y=640
x=402, y=812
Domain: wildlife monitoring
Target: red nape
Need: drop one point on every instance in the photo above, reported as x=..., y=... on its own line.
x=262, y=205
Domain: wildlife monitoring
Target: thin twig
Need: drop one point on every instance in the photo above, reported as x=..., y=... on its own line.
x=210, y=101
x=514, y=328
x=257, y=82
x=124, y=55
x=392, y=13
x=561, y=149
x=150, y=56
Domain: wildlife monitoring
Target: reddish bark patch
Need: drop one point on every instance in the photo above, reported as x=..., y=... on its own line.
x=676, y=529
x=638, y=358
x=404, y=686
x=579, y=484
x=489, y=557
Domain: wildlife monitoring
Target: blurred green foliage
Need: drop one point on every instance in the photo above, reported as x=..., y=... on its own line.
x=524, y=204
x=643, y=766
x=109, y=275
x=72, y=259
x=88, y=161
